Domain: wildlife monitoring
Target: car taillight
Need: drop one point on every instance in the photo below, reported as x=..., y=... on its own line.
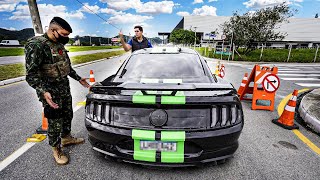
x=214, y=116
x=225, y=115
x=98, y=112
x=106, y=117
x=89, y=110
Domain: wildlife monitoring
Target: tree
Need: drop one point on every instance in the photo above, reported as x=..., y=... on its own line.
x=156, y=40
x=181, y=36
x=317, y=16
x=258, y=26
x=71, y=41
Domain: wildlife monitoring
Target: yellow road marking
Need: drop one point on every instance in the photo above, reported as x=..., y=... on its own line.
x=285, y=100
x=303, y=138
x=83, y=103
x=306, y=141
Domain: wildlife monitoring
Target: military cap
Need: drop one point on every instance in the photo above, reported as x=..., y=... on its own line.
x=63, y=23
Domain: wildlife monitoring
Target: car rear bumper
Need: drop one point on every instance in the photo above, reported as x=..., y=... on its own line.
x=199, y=146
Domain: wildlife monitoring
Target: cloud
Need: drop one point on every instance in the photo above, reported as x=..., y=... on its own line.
x=183, y=13
x=122, y=5
x=212, y=1
x=156, y=7
x=197, y=1
x=11, y=28
x=205, y=11
x=257, y=4
x=47, y=11
x=86, y=7
x=128, y=19
x=92, y=35
x=9, y=5
x=111, y=11
x=151, y=7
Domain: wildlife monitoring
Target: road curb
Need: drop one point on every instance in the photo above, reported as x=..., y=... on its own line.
x=307, y=116
x=22, y=78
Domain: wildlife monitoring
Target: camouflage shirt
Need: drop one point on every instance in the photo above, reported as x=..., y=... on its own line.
x=38, y=53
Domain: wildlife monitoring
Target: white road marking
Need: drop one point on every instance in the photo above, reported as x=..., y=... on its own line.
x=309, y=75
x=15, y=155
x=280, y=69
x=308, y=85
x=300, y=79
x=300, y=72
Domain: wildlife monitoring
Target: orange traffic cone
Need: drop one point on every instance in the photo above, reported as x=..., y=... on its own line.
x=243, y=84
x=286, y=119
x=43, y=129
x=92, y=79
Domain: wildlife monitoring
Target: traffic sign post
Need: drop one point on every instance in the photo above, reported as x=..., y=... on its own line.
x=271, y=83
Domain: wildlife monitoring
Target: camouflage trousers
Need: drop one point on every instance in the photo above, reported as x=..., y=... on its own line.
x=59, y=120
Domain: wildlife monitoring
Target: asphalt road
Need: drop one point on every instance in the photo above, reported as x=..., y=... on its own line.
x=21, y=59
x=266, y=151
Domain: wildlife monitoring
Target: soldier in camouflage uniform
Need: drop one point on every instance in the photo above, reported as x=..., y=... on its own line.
x=48, y=67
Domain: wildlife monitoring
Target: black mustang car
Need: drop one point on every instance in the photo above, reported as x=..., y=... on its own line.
x=164, y=108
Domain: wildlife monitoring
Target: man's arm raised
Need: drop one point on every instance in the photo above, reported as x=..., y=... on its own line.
x=126, y=46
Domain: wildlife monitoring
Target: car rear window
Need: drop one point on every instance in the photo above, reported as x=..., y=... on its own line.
x=164, y=66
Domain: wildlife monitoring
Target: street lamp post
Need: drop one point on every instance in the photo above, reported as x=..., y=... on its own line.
x=195, y=37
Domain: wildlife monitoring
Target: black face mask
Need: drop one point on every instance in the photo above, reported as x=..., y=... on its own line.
x=61, y=39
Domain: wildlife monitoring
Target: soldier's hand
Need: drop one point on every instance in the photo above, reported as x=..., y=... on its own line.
x=84, y=83
x=48, y=98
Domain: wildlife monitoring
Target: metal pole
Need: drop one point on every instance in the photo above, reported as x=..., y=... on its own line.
x=222, y=48
x=233, y=49
x=90, y=40
x=261, y=52
x=290, y=46
x=231, y=44
x=315, y=57
x=195, y=37
x=35, y=17
x=205, y=50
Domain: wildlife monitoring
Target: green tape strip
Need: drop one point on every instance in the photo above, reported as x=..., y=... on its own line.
x=139, y=98
x=173, y=157
x=143, y=134
x=143, y=155
x=179, y=98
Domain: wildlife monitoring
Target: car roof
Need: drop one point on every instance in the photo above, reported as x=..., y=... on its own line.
x=165, y=50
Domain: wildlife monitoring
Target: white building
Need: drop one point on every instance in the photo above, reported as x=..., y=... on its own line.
x=302, y=32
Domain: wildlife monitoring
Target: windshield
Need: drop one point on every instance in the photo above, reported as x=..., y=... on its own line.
x=186, y=67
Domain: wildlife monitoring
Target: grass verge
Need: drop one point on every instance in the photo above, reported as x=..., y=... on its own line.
x=88, y=48
x=92, y=57
x=269, y=55
x=16, y=70
x=12, y=71
x=20, y=51
x=11, y=52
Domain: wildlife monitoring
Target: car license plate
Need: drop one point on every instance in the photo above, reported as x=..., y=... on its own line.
x=158, y=146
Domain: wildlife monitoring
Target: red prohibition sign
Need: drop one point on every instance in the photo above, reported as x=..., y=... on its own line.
x=271, y=83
